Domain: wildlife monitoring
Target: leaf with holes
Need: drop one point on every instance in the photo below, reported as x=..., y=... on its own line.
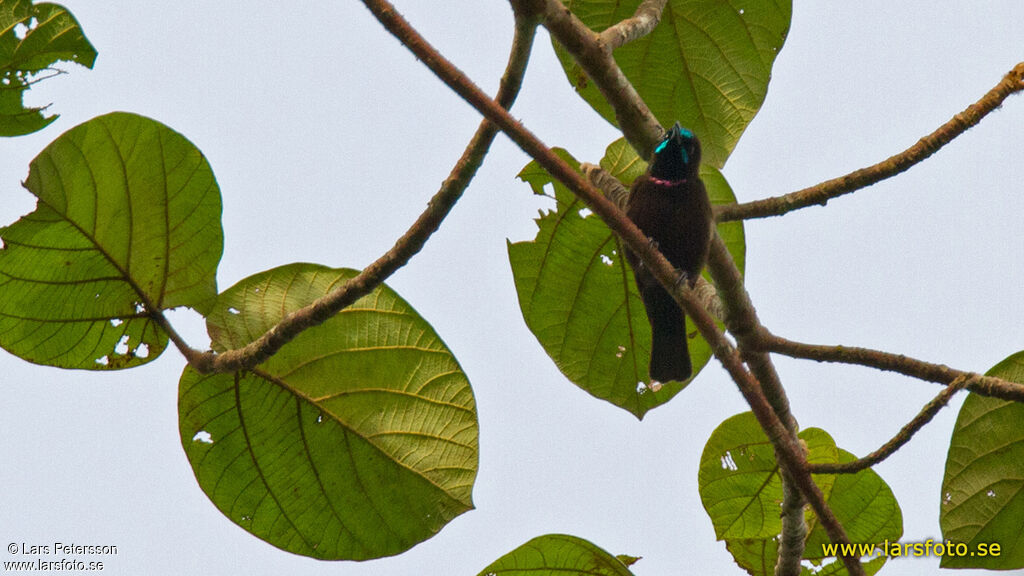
x=357, y=440
x=127, y=223
x=32, y=39
x=706, y=65
x=558, y=554
x=578, y=296
x=739, y=480
x=741, y=491
x=983, y=487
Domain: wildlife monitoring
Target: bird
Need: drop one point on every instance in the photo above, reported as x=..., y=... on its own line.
x=670, y=204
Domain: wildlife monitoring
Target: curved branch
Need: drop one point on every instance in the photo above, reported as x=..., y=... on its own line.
x=923, y=417
x=587, y=47
x=405, y=247
x=644, y=20
x=820, y=194
x=940, y=373
x=788, y=450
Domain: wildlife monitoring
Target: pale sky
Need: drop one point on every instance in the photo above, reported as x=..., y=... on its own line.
x=327, y=139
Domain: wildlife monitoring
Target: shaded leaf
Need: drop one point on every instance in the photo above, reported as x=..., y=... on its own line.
x=357, y=440
x=983, y=486
x=578, y=296
x=557, y=555
x=32, y=39
x=707, y=64
x=127, y=223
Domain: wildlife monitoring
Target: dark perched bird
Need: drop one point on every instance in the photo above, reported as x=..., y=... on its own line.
x=670, y=205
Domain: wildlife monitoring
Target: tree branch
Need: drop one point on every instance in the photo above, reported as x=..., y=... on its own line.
x=923, y=417
x=788, y=449
x=405, y=247
x=820, y=194
x=942, y=374
x=634, y=118
x=644, y=20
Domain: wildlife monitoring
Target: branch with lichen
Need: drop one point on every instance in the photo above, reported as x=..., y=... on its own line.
x=820, y=194
x=644, y=20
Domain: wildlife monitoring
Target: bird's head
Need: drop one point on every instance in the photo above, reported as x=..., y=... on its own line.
x=677, y=156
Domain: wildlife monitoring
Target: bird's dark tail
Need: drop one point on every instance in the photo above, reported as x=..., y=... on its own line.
x=670, y=356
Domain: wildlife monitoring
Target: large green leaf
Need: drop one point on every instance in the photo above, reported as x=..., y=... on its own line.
x=127, y=223
x=33, y=38
x=983, y=488
x=557, y=555
x=740, y=488
x=707, y=64
x=357, y=440
x=579, y=299
x=739, y=480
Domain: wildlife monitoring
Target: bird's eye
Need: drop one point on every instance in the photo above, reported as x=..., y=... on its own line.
x=661, y=147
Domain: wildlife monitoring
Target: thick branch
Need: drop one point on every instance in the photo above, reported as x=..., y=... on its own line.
x=942, y=374
x=790, y=453
x=638, y=125
x=820, y=194
x=905, y=434
x=405, y=248
x=644, y=20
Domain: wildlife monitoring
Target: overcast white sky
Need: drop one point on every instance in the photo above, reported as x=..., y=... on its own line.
x=327, y=139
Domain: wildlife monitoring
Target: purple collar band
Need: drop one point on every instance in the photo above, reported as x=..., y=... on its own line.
x=661, y=182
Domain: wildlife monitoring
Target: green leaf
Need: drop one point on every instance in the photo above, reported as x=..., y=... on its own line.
x=579, y=299
x=739, y=480
x=983, y=487
x=357, y=440
x=740, y=488
x=127, y=224
x=49, y=34
x=557, y=555
x=707, y=64
x=863, y=503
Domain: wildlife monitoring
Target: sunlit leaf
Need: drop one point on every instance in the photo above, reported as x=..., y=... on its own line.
x=32, y=39
x=127, y=223
x=357, y=440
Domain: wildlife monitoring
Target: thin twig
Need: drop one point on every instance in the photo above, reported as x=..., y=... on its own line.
x=789, y=453
x=644, y=20
x=923, y=417
x=928, y=371
x=820, y=194
x=405, y=247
